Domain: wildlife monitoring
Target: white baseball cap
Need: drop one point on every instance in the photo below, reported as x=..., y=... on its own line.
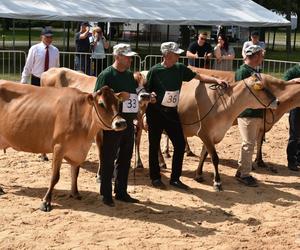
x=252, y=49
x=170, y=47
x=123, y=49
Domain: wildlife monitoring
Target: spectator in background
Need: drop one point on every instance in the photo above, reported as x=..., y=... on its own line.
x=98, y=45
x=224, y=54
x=254, y=41
x=82, y=43
x=41, y=57
x=200, y=48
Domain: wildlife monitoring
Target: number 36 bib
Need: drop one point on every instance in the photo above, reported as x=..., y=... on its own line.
x=131, y=105
x=170, y=99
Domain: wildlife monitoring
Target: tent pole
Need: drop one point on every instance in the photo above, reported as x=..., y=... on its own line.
x=268, y=37
x=150, y=40
x=64, y=41
x=295, y=38
x=168, y=32
x=274, y=36
x=68, y=37
x=137, y=36
x=29, y=34
x=109, y=37
x=14, y=34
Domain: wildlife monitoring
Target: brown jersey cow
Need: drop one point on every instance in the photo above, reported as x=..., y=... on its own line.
x=208, y=114
x=59, y=121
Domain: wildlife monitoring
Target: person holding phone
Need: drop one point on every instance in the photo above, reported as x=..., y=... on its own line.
x=82, y=42
x=98, y=45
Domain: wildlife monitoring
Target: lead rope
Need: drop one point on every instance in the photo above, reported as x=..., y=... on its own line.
x=264, y=120
x=135, y=155
x=99, y=117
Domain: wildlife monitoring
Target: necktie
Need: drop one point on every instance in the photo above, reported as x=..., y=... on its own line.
x=46, y=59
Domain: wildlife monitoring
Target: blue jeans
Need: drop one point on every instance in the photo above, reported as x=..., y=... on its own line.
x=293, y=147
x=83, y=63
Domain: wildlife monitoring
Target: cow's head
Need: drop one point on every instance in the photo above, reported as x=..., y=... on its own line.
x=106, y=106
x=143, y=96
x=261, y=90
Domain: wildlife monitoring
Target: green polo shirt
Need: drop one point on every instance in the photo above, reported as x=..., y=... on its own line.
x=242, y=73
x=161, y=79
x=118, y=81
x=292, y=73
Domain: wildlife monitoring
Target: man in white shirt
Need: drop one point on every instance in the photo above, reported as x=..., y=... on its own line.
x=41, y=57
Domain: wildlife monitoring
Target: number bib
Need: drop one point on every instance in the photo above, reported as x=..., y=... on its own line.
x=131, y=105
x=170, y=99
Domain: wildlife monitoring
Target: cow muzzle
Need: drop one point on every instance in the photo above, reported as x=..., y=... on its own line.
x=144, y=97
x=119, y=124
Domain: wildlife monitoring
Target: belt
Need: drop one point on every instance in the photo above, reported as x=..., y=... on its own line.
x=35, y=76
x=168, y=109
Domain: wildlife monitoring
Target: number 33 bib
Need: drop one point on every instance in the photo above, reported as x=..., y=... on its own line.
x=131, y=105
x=170, y=99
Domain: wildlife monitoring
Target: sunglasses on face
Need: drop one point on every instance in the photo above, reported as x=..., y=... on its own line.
x=203, y=38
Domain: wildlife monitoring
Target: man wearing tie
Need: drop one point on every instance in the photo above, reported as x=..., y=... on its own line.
x=41, y=57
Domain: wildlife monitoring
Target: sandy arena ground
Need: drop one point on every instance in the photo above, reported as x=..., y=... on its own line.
x=266, y=217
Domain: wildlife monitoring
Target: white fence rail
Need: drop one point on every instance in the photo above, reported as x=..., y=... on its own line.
x=12, y=63
x=272, y=67
x=83, y=62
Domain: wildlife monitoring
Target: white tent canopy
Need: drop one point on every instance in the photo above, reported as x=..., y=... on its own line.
x=244, y=13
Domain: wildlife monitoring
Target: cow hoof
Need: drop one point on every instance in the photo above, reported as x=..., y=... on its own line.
x=1, y=191
x=199, y=179
x=261, y=164
x=166, y=154
x=272, y=169
x=139, y=166
x=46, y=206
x=43, y=157
x=218, y=187
x=98, y=180
x=190, y=153
x=163, y=166
x=76, y=196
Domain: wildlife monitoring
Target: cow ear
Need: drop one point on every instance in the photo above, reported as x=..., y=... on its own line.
x=90, y=98
x=123, y=96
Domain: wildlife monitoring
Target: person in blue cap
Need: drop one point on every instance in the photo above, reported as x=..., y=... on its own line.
x=82, y=44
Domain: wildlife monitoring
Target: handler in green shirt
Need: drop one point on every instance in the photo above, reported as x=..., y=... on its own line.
x=248, y=121
x=117, y=146
x=293, y=147
x=165, y=80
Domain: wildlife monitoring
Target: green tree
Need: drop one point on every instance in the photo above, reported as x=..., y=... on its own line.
x=284, y=7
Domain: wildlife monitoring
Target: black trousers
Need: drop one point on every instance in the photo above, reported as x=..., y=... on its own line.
x=293, y=147
x=36, y=81
x=116, y=152
x=167, y=119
